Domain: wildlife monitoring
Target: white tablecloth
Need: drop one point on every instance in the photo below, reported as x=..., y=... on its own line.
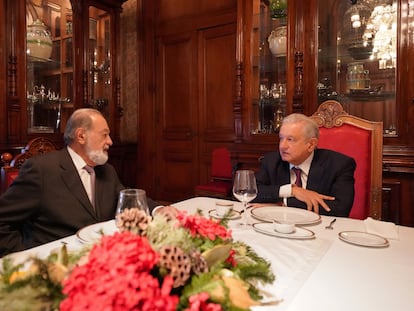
x=326, y=273
x=323, y=273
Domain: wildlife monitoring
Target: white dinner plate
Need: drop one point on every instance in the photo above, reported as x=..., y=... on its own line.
x=285, y=214
x=299, y=234
x=363, y=239
x=233, y=214
x=93, y=233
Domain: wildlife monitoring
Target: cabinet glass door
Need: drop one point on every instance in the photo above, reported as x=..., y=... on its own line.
x=49, y=83
x=269, y=41
x=99, y=51
x=357, y=58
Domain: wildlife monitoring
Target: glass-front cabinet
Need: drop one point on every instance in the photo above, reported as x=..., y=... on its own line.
x=60, y=57
x=305, y=52
x=357, y=58
x=99, y=52
x=49, y=78
x=269, y=65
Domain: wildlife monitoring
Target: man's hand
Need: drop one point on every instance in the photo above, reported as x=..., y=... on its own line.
x=169, y=212
x=311, y=198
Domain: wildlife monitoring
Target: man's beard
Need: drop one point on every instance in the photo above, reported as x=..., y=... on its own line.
x=100, y=157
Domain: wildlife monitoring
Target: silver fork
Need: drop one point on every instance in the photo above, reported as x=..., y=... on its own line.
x=330, y=224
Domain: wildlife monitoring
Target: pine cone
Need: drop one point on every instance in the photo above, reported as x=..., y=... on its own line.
x=134, y=220
x=199, y=264
x=177, y=263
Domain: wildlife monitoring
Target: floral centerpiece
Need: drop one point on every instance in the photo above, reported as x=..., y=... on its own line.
x=184, y=263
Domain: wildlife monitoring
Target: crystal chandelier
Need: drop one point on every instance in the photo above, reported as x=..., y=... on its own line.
x=353, y=27
x=381, y=32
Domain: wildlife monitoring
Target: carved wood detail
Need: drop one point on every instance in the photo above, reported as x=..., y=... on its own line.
x=328, y=114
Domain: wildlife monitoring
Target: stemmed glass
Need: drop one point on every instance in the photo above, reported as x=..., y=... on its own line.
x=130, y=199
x=244, y=189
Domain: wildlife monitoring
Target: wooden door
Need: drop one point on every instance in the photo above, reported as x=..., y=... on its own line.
x=176, y=114
x=217, y=69
x=194, y=106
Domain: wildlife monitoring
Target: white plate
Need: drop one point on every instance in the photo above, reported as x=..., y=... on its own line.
x=233, y=215
x=285, y=214
x=93, y=233
x=298, y=234
x=363, y=239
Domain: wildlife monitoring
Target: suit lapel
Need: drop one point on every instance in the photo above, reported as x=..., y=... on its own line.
x=73, y=182
x=316, y=172
x=285, y=174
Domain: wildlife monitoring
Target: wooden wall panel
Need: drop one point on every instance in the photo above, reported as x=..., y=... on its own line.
x=179, y=9
x=216, y=83
x=176, y=111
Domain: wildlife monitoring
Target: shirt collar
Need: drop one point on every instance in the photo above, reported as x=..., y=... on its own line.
x=305, y=165
x=77, y=159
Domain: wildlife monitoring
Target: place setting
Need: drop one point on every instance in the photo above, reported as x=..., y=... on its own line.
x=376, y=235
x=224, y=210
x=284, y=222
x=93, y=233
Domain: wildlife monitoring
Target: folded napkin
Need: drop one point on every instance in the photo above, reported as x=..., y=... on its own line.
x=383, y=228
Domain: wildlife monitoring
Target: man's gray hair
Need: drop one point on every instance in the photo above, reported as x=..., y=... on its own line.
x=80, y=118
x=310, y=128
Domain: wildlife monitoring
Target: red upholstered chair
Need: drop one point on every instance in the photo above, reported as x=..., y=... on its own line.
x=11, y=165
x=362, y=140
x=221, y=183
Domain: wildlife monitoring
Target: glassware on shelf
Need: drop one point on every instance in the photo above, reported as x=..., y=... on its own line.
x=357, y=77
x=44, y=110
x=278, y=8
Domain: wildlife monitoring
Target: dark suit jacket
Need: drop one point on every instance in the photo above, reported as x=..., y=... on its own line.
x=331, y=173
x=47, y=201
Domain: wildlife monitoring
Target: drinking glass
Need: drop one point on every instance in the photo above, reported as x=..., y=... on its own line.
x=244, y=189
x=131, y=198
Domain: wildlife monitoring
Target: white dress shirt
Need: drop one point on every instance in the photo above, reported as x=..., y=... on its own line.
x=83, y=174
x=285, y=191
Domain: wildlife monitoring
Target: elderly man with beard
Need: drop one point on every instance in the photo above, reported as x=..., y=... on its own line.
x=52, y=197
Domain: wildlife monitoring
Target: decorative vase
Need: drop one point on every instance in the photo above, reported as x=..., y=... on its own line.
x=278, y=41
x=39, y=41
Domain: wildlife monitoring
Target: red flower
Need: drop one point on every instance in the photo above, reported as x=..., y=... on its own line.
x=231, y=260
x=117, y=277
x=200, y=226
x=199, y=302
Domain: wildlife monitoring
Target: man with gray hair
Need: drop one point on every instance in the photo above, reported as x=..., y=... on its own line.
x=60, y=192
x=304, y=176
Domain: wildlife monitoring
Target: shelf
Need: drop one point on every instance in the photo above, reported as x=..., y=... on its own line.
x=370, y=96
x=359, y=97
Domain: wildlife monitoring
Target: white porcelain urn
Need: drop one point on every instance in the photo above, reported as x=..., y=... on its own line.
x=38, y=40
x=278, y=41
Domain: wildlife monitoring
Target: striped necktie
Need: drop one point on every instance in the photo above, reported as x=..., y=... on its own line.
x=298, y=173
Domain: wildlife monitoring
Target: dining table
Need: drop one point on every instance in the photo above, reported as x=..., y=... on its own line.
x=315, y=268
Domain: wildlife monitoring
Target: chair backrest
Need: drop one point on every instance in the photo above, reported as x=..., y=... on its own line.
x=362, y=140
x=221, y=165
x=11, y=166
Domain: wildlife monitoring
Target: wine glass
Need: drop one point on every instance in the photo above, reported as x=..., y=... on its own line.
x=129, y=199
x=244, y=189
